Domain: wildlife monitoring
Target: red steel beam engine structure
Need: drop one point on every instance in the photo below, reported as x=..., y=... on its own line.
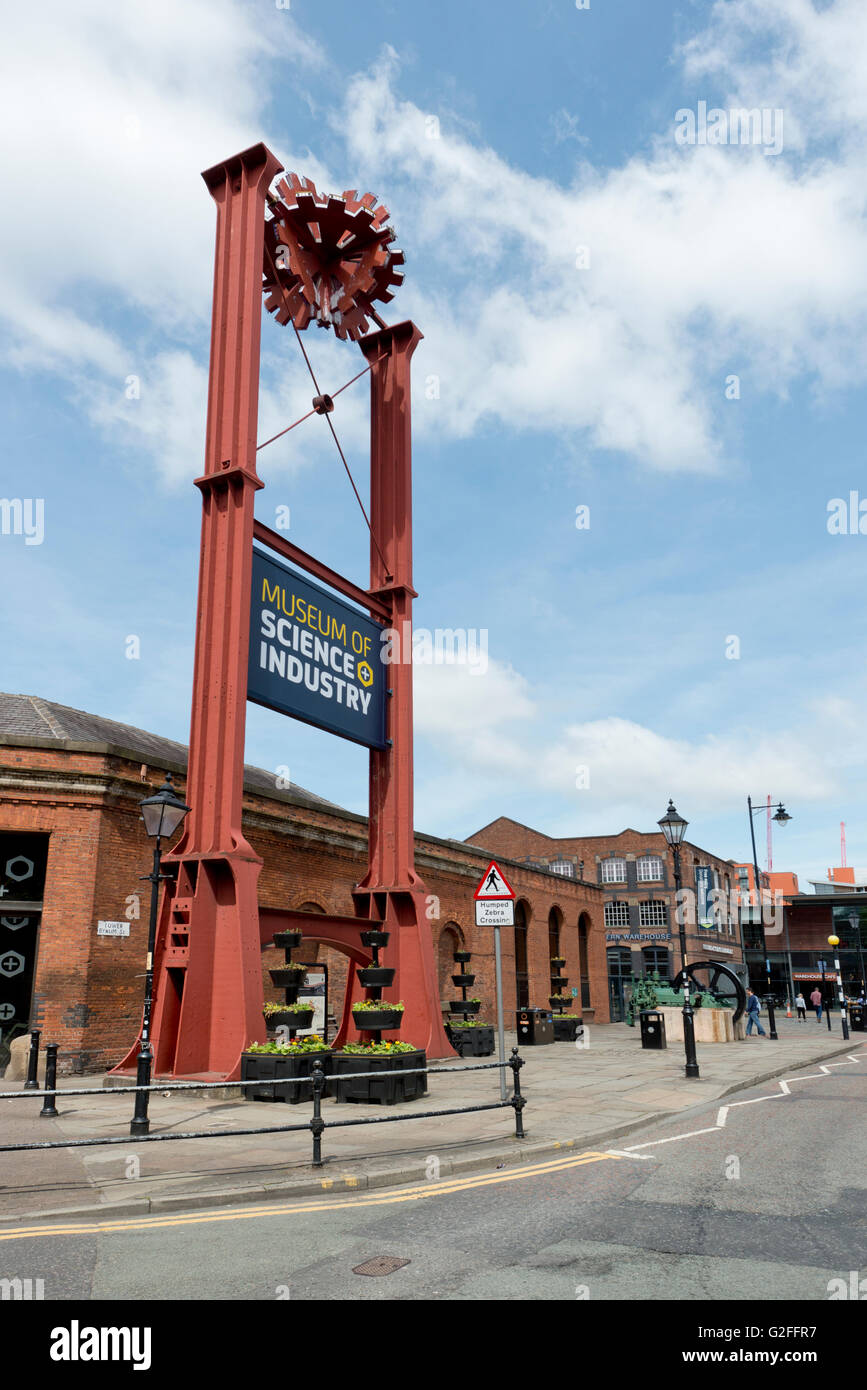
x=208, y=967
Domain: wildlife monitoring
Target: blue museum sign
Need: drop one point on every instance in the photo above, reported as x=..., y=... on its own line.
x=313, y=656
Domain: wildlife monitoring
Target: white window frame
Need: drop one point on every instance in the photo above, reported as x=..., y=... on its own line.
x=564, y=868
x=643, y=863
x=658, y=917
x=612, y=864
x=621, y=910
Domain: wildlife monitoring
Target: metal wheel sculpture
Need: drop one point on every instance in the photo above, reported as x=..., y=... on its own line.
x=328, y=258
x=713, y=977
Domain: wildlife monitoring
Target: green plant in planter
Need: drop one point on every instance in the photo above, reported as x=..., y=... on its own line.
x=313, y=1043
x=379, y=1049
x=378, y=1005
x=561, y=998
x=468, y=1023
x=294, y=966
x=564, y=1016
x=300, y=1008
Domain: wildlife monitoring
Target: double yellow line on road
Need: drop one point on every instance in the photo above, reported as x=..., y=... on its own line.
x=362, y=1199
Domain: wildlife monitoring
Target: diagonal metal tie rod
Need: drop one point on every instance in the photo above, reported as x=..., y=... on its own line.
x=279, y=285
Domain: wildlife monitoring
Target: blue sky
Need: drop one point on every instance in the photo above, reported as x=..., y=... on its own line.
x=559, y=385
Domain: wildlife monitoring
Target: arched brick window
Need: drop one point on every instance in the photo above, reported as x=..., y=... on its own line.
x=583, y=928
x=451, y=940
x=522, y=977
x=555, y=919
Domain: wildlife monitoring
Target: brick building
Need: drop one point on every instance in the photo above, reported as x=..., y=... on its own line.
x=73, y=850
x=810, y=918
x=634, y=872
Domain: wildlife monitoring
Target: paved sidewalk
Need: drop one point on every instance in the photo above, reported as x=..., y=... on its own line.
x=576, y=1096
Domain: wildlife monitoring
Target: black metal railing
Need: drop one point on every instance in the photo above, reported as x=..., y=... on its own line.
x=316, y=1124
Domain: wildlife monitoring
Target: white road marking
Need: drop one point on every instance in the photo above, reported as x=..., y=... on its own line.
x=722, y=1114
x=673, y=1140
x=624, y=1153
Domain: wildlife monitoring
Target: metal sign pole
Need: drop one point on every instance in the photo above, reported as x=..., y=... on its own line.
x=498, y=968
x=495, y=906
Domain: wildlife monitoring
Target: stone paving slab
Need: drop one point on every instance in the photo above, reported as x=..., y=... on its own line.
x=583, y=1097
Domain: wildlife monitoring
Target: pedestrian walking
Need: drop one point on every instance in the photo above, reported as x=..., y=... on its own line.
x=753, y=1010
x=816, y=1001
x=801, y=1006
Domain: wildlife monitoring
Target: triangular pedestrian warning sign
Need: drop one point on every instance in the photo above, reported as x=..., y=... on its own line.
x=493, y=884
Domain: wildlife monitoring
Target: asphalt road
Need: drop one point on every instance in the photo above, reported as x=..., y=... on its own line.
x=769, y=1206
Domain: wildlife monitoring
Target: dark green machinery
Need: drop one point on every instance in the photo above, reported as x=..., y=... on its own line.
x=652, y=992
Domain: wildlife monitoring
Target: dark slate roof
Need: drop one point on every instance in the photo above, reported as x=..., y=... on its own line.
x=27, y=720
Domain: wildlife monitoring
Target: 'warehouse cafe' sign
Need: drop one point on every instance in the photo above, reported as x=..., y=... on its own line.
x=313, y=656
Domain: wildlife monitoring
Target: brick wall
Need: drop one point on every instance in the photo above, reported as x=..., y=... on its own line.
x=88, y=989
x=587, y=854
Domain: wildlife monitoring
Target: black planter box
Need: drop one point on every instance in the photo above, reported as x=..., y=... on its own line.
x=558, y=961
x=559, y=980
x=385, y=1090
x=288, y=940
x=374, y=938
x=559, y=1003
x=461, y=980
x=471, y=1042
x=289, y=1018
x=567, y=1029
x=378, y=1020
x=464, y=1006
x=269, y=1066
x=287, y=979
x=461, y=957
x=371, y=976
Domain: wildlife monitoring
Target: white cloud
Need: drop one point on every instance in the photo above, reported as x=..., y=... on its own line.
x=469, y=712
x=698, y=257
x=626, y=760
x=109, y=113
x=493, y=731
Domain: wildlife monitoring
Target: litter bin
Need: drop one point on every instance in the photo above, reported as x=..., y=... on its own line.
x=535, y=1026
x=652, y=1028
x=858, y=1018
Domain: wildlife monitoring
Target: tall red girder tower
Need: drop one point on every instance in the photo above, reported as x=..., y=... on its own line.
x=327, y=259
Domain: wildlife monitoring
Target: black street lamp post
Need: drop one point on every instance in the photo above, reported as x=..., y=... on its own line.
x=855, y=924
x=162, y=813
x=673, y=827
x=841, y=991
x=781, y=817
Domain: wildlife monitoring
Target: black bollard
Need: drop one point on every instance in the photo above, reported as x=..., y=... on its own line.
x=140, y=1124
x=772, y=1021
x=317, y=1124
x=517, y=1101
x=49, y=1111
x=32, y=1082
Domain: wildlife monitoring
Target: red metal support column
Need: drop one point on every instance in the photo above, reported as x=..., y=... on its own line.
x=208, y=962
x=391, y=889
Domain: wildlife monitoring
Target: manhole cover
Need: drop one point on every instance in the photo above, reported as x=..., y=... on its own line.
x=380, y=1265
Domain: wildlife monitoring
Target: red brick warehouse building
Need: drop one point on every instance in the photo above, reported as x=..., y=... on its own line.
x=73, y=849
x=634, y=872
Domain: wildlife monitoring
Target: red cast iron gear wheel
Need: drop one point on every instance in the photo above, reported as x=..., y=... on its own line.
x=327, y=258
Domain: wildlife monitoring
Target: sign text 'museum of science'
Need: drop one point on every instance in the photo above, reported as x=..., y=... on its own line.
x=313, y=656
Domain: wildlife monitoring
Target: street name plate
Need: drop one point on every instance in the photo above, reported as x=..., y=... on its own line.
x=493, y=913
